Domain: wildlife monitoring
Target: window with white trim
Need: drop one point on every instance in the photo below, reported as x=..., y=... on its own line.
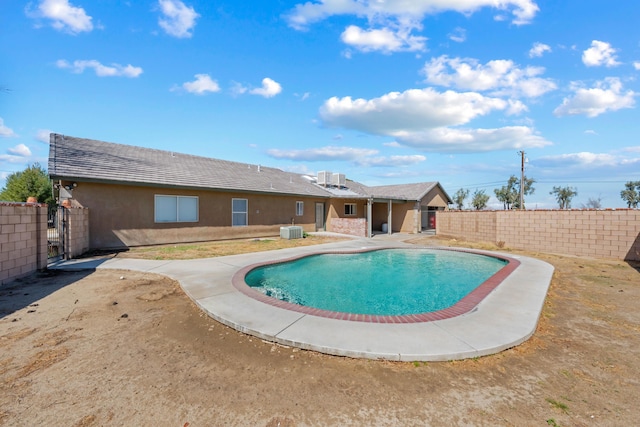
x=176, y=208
x=350, y=209
x=299, y=208
x=239, y=212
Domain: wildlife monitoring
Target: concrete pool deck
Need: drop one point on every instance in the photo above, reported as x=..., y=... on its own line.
x=505, y=318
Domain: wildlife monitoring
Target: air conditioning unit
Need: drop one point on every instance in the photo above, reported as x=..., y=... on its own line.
x=292, y=232
x=324, y=178
x=339, y=180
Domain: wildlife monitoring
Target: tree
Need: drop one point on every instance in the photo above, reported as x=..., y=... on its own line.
x=631, y=194
x=593, y=203
x=459, y=197
x=31, y=182
x=479, y=200
x=509, y=194
x=564, y=196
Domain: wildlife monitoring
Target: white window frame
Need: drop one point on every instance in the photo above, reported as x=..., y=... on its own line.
x=235, y=212
x=185, y=217
x=299, y=208
x=353, y=209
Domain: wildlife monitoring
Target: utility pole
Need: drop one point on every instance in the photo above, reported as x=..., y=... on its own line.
x=521, y=180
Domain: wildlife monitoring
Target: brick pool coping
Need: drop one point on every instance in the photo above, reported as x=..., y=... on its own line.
x=463, y=306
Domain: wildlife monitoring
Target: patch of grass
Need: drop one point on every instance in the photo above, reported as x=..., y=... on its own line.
x=222, y=248
x=552, y=422
x=559, y=405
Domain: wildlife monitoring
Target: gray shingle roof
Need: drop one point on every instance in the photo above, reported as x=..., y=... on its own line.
x=80, y=158
x=73, y=158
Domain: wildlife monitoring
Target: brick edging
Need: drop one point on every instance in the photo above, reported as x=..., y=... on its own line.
x=465, y=305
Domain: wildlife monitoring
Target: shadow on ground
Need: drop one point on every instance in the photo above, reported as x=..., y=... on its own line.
x=26, y=291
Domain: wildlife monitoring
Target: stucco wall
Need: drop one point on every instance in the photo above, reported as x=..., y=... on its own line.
x=123, y=215
x=594, y=233
x=435, y=198
x=23, y=239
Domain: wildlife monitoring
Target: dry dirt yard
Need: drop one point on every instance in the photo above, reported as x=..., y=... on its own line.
x=124, y=348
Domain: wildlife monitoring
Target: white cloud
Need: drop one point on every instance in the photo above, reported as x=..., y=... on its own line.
x=499, y=77
x=304, y=14
x=636, y=65
x=414, y=109
x=269, y=89
x=423, y=118
x=538, y=50
x=201, y=85
x=5, y=131
x=64, y=16
x=19, y=150
x=113, y=70
x=358, y=156
x=607, y=95
x=393, y=144
x=177, y=19
x=391, y=161
x=458, y=35
x=451, y=140
x=323, y=153
x=385, y=40
x=43, y=135
x=600, y=53
x=587, y=163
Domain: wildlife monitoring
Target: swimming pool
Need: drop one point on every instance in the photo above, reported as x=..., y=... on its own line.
x=386, y=286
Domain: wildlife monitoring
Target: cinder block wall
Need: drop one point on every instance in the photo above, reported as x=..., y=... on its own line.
x=23, y=239
x=595, y=233
x=351, y=226
x=476, y=226
x=78, y=231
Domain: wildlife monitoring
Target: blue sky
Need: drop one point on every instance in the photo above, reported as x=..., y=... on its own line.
x=387, y=92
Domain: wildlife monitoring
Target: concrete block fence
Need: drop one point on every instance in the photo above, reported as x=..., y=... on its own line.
x=23, y=238
x=609, y=233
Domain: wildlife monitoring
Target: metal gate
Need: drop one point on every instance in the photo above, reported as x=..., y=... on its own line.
x=56, y=231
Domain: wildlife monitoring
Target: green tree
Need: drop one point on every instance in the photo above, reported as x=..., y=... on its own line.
x=509, y=194
x=564, y=195
x=459, y=198
x=31, y=182
x=479, y=200
x=631, y=194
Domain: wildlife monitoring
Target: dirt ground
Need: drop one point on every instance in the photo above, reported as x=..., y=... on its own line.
x=124, y=348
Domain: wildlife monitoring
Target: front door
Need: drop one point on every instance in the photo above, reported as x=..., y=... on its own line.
x=319, y=216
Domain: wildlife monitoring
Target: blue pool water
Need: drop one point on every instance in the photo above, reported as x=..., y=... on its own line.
x=390, y=282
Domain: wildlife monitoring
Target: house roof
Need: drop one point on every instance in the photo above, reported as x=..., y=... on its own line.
x=72, y=158
x=86, y=159
x=414, y=191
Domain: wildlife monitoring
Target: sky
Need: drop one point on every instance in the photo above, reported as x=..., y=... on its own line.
x=384, y=91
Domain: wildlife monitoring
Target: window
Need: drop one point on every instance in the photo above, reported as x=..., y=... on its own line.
x=176, y=208
x=349, y=208
x=239, y=209
x=299, y=208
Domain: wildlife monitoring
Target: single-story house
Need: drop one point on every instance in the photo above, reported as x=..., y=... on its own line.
x=141, y=196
